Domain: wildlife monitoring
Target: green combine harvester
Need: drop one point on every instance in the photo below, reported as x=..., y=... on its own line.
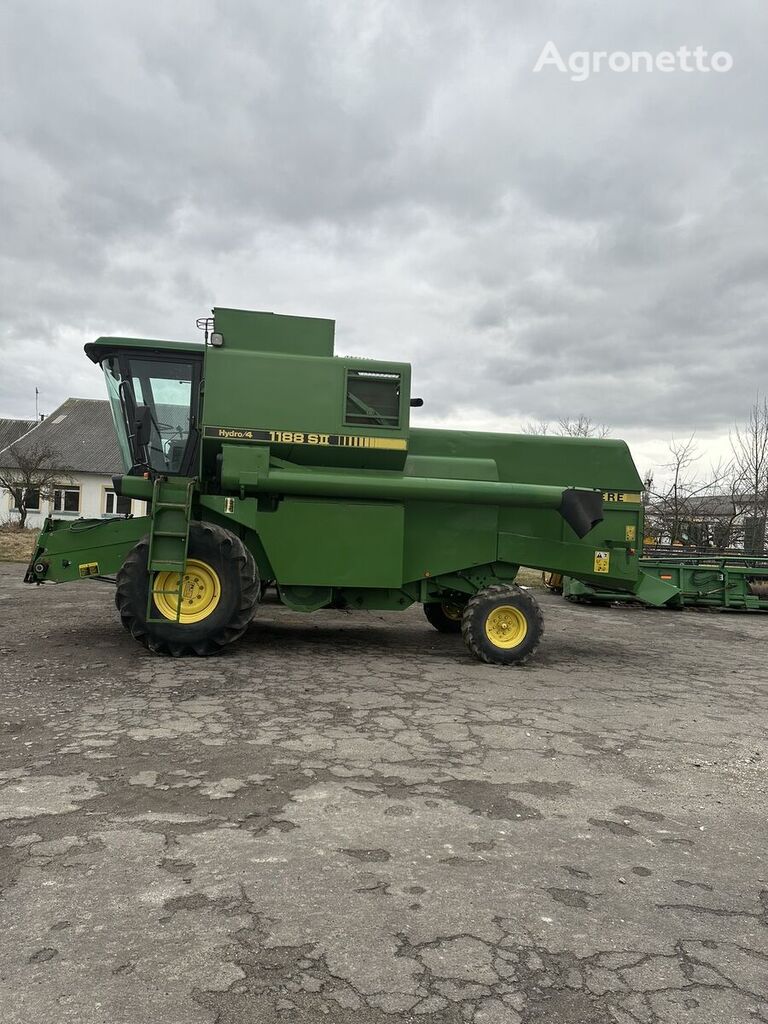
x=265, y=459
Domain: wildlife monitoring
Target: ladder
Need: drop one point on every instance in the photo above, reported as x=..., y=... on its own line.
x=169, y=537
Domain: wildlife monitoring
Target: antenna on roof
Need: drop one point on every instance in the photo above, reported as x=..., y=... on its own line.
x=205, y=323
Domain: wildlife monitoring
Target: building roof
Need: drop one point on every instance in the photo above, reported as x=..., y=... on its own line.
x=12, y=430
x=81, y=434
x=710, y=506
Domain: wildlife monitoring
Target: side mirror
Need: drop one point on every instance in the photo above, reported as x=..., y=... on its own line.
x=416, y=403
x=142, y=426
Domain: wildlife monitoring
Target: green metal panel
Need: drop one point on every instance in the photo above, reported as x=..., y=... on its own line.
x=537, y=536
x=296, y=404
x=442, y=537
x=273, y=332
x=542, y=540
x=266, y=390
x=444, y=467
x=344, y=544
x=274, y=380
x=654, y=591
x=325, y=543
x=85, y=547
x=242, y=466
x=564, y=461
x=374, y=600
x=446, y=537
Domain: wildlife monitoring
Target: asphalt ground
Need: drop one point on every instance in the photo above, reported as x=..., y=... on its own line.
x=347, y=819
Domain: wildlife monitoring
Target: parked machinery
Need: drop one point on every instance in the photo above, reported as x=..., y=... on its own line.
x=736, y=582
x=262, y=456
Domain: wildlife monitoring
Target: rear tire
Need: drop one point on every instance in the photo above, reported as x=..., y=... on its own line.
x=224, y=559
x=502, y=625
x=445, y=616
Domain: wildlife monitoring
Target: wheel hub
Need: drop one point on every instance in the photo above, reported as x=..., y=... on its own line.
x=452, y=611
x=506, y=627
x=200, y=592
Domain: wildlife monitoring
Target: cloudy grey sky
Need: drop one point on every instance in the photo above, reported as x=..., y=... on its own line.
x=533, y=245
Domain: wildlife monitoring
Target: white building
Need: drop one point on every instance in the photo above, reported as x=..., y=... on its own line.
x=82, y=436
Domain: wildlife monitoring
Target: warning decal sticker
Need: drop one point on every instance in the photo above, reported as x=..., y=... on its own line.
x=602, y=561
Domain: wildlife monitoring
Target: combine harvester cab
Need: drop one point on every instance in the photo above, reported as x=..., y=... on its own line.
x=264, y=458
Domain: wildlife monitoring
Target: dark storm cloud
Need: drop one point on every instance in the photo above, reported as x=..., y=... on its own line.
x=535, y=246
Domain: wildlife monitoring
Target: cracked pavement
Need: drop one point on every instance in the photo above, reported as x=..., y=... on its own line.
x=345, y=818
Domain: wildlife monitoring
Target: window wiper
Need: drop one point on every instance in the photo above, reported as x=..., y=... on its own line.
x=126, y=396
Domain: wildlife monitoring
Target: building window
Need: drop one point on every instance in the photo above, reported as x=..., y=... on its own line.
x=31, y=500
x=116, y=505
x=66, y=499
x=373, y=399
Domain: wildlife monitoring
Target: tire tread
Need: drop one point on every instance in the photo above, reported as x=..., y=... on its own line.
x=478, y=645
x=135, y=566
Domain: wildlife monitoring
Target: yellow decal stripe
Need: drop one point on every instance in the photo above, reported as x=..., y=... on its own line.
x=398, y=444
x=621, y=497
x=252, y=434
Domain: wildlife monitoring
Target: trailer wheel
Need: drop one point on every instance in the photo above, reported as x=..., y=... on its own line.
x=445, y=616
x=221, y=591
x=502, y=625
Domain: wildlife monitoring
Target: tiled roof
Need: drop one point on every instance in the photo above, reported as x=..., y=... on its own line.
x=82, y=435
x=12, y=430
x=710, y=506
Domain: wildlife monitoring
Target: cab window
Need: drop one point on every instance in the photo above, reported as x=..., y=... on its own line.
x=372, y=399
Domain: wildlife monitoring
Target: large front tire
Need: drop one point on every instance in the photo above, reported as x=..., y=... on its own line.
x=502, y=625
x=221, y=591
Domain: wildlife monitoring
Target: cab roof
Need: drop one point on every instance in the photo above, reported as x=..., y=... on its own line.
x=97, y=350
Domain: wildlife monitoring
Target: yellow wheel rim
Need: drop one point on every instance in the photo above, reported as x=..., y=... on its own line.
x=452, y=611
x=506, y=627
x=200, y=592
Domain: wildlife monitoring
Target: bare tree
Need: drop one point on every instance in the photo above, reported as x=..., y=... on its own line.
x=32, y=477
x=535, y=427
x=682, y=509
x=749, y=478
x=567, y=426
x=581, y=426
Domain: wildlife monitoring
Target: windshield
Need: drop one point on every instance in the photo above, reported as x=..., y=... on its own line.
x=151, y=400
x=112, y=376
